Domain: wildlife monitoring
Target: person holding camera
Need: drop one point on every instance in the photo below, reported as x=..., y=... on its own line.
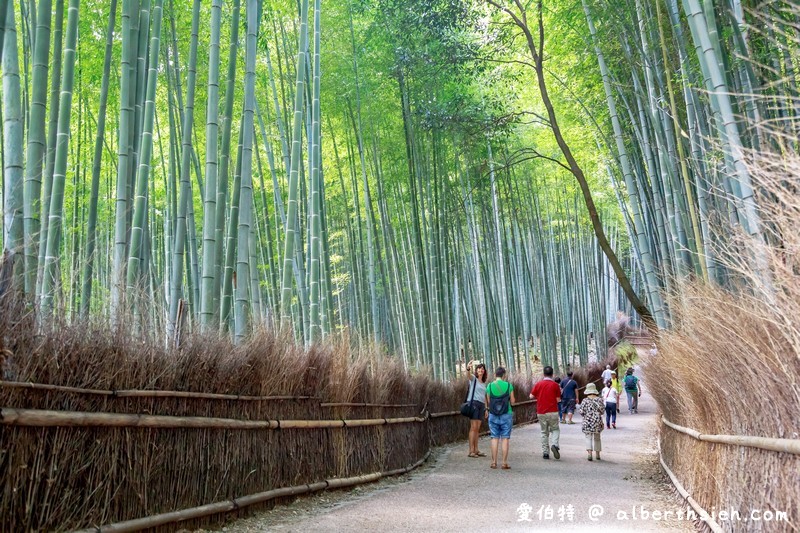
x=476, y=373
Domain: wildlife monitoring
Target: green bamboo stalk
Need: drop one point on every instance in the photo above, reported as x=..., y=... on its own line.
x=225, y=153
x=226, y=303
x=185, y=186
x=681, y=156
x=13, y=195
x=126, y=125
x=52, y=130
x=243, y=302
x=3, y=17
x=36, y=140
x=146, y=154
x=91, y=232
x=272, y=293
x=720, y=94
x=315, y=223
x=292, y=214
x=209, y=272
x=62, y=147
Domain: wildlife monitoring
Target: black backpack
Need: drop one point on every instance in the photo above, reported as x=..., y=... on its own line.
x=498, y=405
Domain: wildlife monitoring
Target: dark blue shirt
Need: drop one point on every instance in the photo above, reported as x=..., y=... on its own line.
x=569, y=389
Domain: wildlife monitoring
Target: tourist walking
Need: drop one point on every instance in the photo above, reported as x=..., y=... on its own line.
x=548, y=394
x=569, y=397
x=592, y=412
x=610, y=398
x=476, y=372
x=617, y=386
x=560, y=403
x=499, y=397
x=606, y=375
x=633, y=391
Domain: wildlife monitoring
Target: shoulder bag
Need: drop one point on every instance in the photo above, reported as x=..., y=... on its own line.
x=466, y=407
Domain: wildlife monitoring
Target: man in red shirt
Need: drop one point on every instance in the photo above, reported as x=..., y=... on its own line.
x=548, y=394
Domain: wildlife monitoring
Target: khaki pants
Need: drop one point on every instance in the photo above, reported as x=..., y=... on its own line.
x=593, y=442
x=550, y=431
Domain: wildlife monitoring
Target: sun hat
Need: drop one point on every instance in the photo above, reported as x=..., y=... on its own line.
x=613, y=372
x=591, y=388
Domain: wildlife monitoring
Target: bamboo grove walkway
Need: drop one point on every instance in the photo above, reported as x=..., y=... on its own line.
x=461, y=494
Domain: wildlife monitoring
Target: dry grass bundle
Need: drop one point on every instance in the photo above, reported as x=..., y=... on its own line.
x=68, y=478
x=732, y=366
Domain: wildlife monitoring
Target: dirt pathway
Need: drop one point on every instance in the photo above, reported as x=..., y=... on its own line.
x=461, y=494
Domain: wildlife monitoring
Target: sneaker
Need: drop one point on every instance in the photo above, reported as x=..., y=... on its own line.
x=614, y=425
x=598, y=455
x=608, y=427
x=590, y=456
x=556, y=452
x=636, y=411
x=545, y=456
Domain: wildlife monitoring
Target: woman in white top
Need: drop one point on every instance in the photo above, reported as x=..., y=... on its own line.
x=610, y=397
x=476, y=393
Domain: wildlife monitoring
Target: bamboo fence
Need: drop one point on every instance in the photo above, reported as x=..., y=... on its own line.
x=246, y=501
x=78, y=457
x=702, y=513
x=101, y=427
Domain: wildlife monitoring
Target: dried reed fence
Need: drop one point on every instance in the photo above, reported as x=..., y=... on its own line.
x=94, y=424
x=731, y=366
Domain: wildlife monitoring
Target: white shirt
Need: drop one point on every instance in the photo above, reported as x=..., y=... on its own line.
x=609, y=394
x=606, y=374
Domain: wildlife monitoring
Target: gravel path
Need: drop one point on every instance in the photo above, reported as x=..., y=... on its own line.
x=457, y=493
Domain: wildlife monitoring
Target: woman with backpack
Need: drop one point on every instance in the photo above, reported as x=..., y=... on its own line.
x=476, y=394
x=632, y=390
x=592, y=412
x=499, y=397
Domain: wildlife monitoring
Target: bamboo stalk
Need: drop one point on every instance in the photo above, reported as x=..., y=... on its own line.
x=445, y=413
x=356, y=404
x=764, y=443
x=44, y=418
x=245, y=501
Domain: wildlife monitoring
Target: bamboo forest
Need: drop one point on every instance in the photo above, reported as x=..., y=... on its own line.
x=438, y=178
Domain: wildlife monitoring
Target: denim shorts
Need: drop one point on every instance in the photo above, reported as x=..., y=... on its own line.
x=568, y=405
x=500, y=425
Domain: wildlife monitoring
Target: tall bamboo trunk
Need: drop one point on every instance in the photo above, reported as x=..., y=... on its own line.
x=208, y=309
x=13, y=195
x=91, y=230
x=185, y=186
x=49, y=283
